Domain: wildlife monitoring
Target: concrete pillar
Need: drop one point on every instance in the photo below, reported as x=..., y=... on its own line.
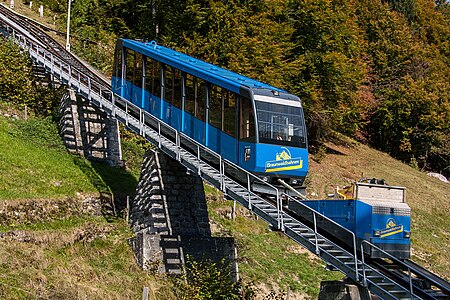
x=342, y=290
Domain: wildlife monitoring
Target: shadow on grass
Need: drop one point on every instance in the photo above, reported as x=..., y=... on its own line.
x=112, y=183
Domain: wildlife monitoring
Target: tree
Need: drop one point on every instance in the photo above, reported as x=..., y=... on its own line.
x=15, y=74
x=330, y=67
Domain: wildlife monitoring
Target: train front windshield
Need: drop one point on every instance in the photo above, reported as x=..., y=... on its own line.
x=281, y=124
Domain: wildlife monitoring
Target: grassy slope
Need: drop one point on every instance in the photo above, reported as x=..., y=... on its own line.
x=427, y=196
x=78, y=257
x=28, y=171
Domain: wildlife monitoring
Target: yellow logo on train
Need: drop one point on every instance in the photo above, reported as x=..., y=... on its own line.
x=391, y=228
x=283, y=162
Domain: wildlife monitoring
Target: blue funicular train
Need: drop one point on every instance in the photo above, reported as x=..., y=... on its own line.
x=256, y=126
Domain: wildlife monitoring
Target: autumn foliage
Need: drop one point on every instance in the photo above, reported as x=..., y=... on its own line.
x=376, y=70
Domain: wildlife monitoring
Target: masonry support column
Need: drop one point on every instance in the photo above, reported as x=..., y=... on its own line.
x=170, y=218
x=89, y=131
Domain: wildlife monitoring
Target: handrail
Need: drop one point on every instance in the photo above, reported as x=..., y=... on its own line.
x=391, y=257
x=277, y=192
x=41, y=49
x=335, y=223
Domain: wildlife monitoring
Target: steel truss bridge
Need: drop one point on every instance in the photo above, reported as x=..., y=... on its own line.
x=388, y=278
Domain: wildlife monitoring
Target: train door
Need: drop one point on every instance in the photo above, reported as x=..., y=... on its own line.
x=229, y=133
x=195, y=110
x=247, y=134
x=172, y=97
x=152, y=93
x=215, y=116
x=117, y=80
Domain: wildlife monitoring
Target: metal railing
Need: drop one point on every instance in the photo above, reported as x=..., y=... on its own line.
x=94, y=90
x=393, y=258
x=316, y=214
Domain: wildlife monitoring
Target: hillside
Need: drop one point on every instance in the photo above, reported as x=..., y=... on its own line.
x=68, y=251
x=56, y=242
x=53, y=220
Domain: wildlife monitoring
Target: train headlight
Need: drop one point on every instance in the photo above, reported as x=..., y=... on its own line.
x=377, y=233
x=407, y=234
x=294, y=181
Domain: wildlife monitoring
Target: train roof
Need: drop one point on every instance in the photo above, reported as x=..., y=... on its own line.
x=214, y=74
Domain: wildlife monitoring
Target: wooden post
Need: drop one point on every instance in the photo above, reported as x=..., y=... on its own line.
x=233, y=211
x=288, y=293
x=26, y=112
x=127, y=217
x=145, y=293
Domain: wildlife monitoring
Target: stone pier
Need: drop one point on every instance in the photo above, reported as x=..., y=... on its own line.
x=170, y=218
x=88, y=131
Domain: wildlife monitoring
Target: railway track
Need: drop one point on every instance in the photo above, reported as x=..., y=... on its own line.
x=38, y=31
x=425, y=283
x=385, y=276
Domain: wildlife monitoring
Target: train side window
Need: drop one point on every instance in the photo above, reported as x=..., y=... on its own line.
x=190, y=94
x=200, y=100
x=229, y=113
x=215, y=106
x=195, y=97
x=177, y=87
x=246, y=120
x=138, y=70
x=172, y=86
x=130, y=58
x=156, y=78
x=118, y=64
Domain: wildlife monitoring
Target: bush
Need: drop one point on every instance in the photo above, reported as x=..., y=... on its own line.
x=206, y=279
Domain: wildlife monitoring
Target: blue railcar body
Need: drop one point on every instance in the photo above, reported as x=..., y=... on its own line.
x=230, y=147
x=270, y=142
x=388, y=231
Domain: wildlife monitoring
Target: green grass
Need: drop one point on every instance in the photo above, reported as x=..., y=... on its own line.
x=58, y=224
x=85, y=259
x=29, y=170
x=67, y=256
